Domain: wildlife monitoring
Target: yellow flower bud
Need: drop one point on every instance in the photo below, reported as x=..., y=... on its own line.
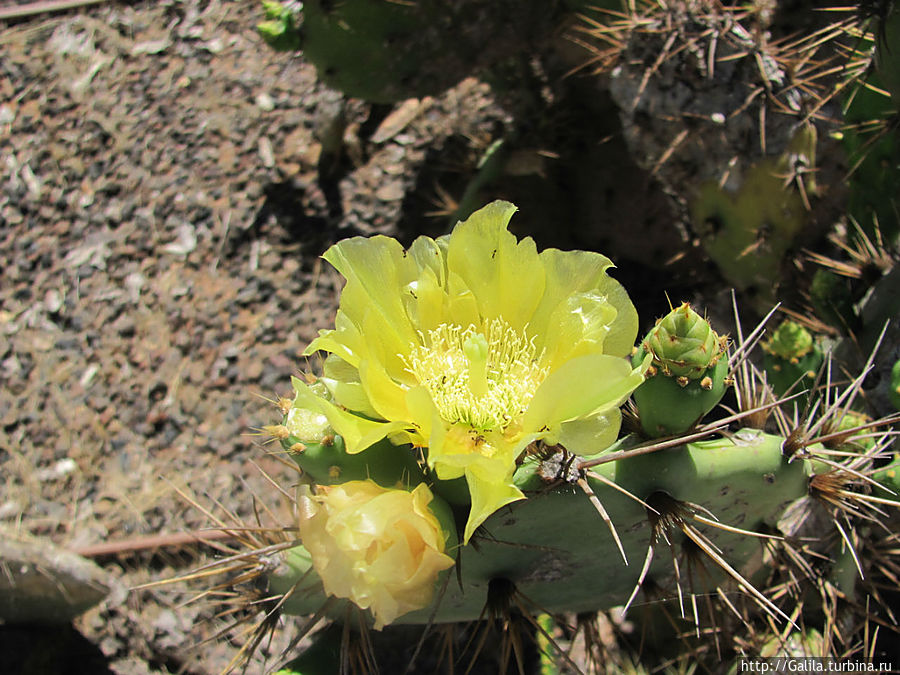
x=382, y=548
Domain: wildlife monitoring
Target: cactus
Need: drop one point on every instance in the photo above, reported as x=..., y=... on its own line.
x=719, y=114
x=384, y=51
x=887, y=52
x=539, y=545
x=687, y=376
x=279, y=29
x=869, y=133
x=747, y=230
x=832, y=298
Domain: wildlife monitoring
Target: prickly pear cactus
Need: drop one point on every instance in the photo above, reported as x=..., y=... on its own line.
x=747, y=226
x=539, y=545
x=869, y=135
x=462, y=458
x=719, y=113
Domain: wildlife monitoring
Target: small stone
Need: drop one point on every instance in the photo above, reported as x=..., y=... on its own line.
x=265, y=102
x=391, y=192
x=57, y=471
x=7, y=114
x=266, y=154
x=53, y=300
x=47, y=584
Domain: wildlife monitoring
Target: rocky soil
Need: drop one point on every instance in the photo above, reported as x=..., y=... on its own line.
x=167, y=183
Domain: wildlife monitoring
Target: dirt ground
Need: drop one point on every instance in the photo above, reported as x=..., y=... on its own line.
x=165, y=192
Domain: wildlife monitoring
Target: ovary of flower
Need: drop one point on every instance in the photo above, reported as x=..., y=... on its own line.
x=482, y=381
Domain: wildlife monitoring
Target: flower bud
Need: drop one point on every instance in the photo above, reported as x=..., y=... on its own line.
x=381, y=548
x=687, y=376
x=791, y=357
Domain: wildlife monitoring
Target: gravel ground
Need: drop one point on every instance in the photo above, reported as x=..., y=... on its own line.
x=167, y=184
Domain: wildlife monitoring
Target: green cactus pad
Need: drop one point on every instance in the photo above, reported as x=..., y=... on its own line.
x=385, y=51
x=666, y=407
x=748, y=231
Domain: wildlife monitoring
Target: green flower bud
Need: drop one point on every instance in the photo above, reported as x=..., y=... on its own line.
x=328, y=462
x=683, y=344
x=687, y=376
x=856, y=440
x=791, y=355
x=789, y=341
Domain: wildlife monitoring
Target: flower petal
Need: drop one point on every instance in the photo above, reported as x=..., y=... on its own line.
x=343, y=383
x=345, y=340
x=487, y=497
x=377, y=270
x=591, y=435
x=571, y=272
x=387, y=397
x=504, y=275
x=358, y=432
x=382, y=548
x=579, y=325
x=581, y=387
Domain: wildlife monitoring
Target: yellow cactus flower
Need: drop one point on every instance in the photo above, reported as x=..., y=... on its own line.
x=382, y=548
x=474, y=345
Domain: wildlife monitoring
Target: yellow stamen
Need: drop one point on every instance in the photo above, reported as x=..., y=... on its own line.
x=480, y=378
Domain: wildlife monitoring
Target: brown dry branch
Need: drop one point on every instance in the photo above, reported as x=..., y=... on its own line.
x=43, y=7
